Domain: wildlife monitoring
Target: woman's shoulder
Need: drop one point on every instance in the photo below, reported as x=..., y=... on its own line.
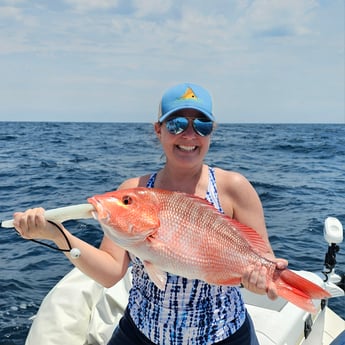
x=139, y=181
x=229, y=177
x=236, y=194
x=232, y=185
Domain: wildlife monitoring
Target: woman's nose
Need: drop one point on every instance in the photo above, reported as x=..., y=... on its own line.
x=189, y=130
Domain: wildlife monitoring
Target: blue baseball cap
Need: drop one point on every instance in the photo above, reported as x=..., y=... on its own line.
x=186, y=95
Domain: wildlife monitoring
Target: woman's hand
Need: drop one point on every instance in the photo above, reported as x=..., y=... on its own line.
x=255, y=279
x=31, y=224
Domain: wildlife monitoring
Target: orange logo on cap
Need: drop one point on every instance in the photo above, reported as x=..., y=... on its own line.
x=189, y=94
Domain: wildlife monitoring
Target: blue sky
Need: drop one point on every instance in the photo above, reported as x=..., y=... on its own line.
x=110, y=60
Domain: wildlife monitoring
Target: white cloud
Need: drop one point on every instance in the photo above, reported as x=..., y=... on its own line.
x=149, y=8
x=90, y=5
x=13, y=2
x=11, y=12
x=277, y=17
x=269, y=51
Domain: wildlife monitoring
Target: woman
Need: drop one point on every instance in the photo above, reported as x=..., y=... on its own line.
x=187, y=311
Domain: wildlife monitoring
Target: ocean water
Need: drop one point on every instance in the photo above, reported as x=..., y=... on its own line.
x=298, y=171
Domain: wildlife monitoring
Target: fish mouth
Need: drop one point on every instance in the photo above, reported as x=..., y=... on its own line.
x=100, y=213
x=103, y=217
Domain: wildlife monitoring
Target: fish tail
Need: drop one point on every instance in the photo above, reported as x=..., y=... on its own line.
x=298, y=290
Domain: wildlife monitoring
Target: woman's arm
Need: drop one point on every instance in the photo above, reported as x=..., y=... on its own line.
x=241, y=202
x=106, y=265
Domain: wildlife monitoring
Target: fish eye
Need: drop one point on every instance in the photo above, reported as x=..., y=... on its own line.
x=127, y=200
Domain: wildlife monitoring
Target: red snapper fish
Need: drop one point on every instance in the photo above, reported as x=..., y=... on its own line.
x=185, y=235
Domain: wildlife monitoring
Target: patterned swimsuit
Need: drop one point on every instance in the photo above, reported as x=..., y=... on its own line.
x=187, y=311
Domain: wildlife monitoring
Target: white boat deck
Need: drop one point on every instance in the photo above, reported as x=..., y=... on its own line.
x=281, y=323
x=87, y=315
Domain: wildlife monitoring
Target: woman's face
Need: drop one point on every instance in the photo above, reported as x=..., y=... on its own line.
x=186, y=148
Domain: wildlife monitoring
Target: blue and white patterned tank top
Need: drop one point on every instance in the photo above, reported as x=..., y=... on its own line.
x=188, y=312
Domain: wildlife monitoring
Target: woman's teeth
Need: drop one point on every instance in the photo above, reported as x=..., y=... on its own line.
x=186, y=148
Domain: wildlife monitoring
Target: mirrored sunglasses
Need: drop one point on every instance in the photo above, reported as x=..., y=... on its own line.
x=178, y=125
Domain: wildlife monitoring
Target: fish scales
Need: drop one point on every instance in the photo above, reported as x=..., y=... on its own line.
x=200, y=238
x=186, y=236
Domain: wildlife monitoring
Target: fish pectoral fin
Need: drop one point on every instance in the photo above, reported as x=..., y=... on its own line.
x=158, y=276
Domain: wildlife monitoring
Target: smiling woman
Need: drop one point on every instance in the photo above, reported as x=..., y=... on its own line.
x=184, y=128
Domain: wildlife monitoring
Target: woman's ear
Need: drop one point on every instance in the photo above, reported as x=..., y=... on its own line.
x=158, y=129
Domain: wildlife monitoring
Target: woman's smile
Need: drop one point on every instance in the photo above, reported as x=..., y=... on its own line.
x=186, y=148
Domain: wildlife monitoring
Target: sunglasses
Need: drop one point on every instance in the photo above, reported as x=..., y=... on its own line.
x=178, y=125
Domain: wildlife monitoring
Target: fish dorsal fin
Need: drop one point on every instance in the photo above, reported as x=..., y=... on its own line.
x=254, y=239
